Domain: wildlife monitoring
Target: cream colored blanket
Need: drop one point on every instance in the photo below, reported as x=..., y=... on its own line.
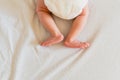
x=22, y=58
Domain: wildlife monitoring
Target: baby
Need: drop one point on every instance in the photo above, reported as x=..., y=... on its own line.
x=47, y=21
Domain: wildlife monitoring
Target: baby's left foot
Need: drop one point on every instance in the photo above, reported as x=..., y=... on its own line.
x=77, y=44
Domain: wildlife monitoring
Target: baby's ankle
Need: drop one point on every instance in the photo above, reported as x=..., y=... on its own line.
x=59, y=36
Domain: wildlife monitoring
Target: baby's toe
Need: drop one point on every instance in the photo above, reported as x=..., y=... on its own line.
x=86, y=45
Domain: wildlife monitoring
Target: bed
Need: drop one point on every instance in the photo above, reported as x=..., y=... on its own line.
x=22, y=58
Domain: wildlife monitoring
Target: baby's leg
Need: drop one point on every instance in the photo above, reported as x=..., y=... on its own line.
x=77, y=26
x=48, y=22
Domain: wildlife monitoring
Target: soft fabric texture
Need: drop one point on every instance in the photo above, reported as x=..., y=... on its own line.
x=66, y=9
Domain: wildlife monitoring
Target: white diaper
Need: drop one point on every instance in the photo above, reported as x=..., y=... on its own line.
x=66, y=9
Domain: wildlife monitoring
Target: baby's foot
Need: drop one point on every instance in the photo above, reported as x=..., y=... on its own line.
x=77, y=44
x=52, y=40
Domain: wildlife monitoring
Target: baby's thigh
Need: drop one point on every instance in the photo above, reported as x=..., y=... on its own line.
x=41, y=6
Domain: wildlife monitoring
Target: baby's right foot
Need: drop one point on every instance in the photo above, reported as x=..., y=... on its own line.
x=77, y=44
x=52, y=40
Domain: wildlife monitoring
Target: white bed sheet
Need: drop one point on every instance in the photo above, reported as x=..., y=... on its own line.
x=22, y=58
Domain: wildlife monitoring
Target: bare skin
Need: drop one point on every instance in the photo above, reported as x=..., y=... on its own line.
x=56, y=36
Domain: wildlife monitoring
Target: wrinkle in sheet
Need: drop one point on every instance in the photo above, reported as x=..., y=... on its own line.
x=58, y=67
